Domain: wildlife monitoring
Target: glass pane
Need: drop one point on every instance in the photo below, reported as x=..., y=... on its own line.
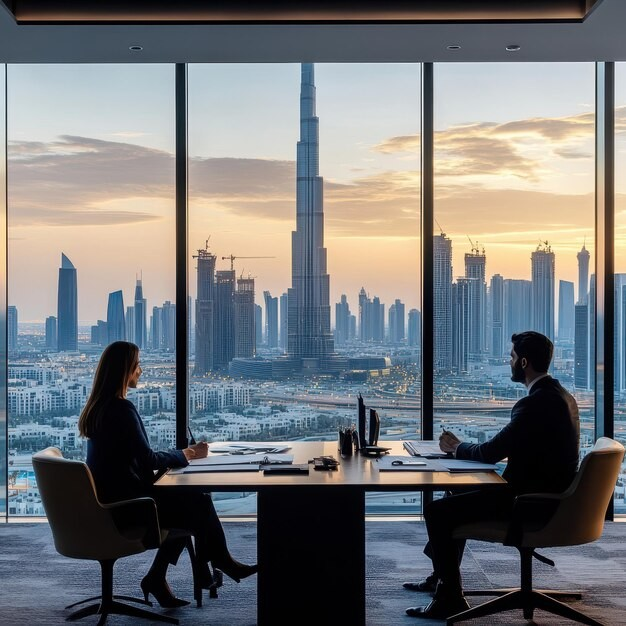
x=620, y=272
x=3, y=304
x=514, y=184
x=92, y=250
x=304, y=274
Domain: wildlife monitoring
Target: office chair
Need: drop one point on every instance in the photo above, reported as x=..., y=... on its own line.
x=84, y=528
x=577, y=517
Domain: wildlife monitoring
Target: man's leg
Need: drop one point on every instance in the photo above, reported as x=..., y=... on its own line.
x=442, y=517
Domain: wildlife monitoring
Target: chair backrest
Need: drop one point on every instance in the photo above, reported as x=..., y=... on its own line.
x=81, y=526
x=579, y=517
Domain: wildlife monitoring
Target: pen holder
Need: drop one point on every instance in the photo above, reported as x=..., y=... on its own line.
x=345, y=442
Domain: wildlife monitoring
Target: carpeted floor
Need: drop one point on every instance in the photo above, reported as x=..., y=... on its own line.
x=36, y=583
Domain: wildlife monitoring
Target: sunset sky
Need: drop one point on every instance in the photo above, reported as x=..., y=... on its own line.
x=91, y=173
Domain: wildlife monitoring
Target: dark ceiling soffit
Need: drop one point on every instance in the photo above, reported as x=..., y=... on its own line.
x=296, y=12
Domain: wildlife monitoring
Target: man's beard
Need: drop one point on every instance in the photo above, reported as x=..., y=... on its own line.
x=517, y=373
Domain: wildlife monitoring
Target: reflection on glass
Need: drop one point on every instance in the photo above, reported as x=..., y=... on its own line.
x=304, y=226
x=91, y=255
x=514, y=207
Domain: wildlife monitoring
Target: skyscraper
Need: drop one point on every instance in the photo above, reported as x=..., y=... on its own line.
x=496, y=304
x=396, y=322
x=51, y=332
x=205, y=301
x=141, y=317
x=11, y=329
x=583, y=275
x=309, y=333
x=517, y=309
x=284, y=327
x=542, y=296
x=442, y=302
x=67, y=307
x=243, y=313
x=271, y=320
x=258, y=324
x=224, y=319
x=475, y=266
x=414, y=327
x=116, y=324
x=342, y=320
x=566, y=310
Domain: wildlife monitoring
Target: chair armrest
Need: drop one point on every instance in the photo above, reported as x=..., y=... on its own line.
x=531, y=512
x=137, y=519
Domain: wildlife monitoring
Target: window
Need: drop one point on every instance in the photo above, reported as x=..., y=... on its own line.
x=91, y=254
x=304, y=239
x=513, y=247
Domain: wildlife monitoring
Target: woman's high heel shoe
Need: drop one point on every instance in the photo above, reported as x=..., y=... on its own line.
x=162, y=593
x=236, y=570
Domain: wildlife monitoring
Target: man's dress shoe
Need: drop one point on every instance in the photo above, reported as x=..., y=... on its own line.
x=439, y=608
x=429, y=585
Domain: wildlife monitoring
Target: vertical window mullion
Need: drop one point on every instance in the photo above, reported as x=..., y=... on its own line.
x=182, y=344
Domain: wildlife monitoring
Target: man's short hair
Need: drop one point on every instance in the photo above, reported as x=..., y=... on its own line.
x=534, y=347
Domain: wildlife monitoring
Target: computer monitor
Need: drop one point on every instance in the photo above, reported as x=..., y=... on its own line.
x=374, y=429
x=361, y=422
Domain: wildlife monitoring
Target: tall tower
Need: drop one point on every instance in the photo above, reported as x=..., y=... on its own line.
x=309, y=334
x=224, y=319
x=205, y=303
x=244, y=324
x=442, y=301
x=116, y=324
x=67, y=307
x=11, y=329
x=542, y=296
x=496, y=303
x=271, y=320
x=141, y=317
x=475, y=265
x=583, y=275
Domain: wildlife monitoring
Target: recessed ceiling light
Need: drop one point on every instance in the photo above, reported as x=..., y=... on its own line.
x=135, y=48
x=453, y=47
x=513, y=48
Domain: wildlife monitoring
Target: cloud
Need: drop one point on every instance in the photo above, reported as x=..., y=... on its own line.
x=518, y=148
x=74, y=180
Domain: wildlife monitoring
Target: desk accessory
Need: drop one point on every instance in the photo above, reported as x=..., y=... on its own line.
x=294, y=468
x=325, y=463
x=361, y=422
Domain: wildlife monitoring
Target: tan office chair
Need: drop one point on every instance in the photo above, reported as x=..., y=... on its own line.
x=83, y=528
x=577, y=517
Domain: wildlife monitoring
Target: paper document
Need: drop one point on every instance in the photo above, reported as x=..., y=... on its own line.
x=231, y=467
x=459, y=465
x=424, y=448
x=392, y=463
x=241, y=459
x=249, y=447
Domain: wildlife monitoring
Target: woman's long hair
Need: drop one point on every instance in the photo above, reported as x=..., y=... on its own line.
x=117, y=364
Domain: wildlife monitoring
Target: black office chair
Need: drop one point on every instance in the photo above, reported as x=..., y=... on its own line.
x=577, y=518
x=84, y=528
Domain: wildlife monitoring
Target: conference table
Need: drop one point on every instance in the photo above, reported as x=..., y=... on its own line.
x=311, y=528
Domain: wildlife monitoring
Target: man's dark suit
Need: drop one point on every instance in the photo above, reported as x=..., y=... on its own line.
x=540, y=444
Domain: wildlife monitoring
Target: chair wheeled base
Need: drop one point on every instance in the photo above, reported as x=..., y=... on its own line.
x=108, y=604
x=525, y=598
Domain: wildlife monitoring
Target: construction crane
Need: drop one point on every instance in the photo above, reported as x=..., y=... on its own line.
x=232, y=258
x=475, y=248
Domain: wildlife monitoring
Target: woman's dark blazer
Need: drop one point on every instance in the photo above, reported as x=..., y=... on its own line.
x=120, y=457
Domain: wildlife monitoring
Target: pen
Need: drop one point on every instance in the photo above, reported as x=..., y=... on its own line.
x=399, y=462
x=192, y=439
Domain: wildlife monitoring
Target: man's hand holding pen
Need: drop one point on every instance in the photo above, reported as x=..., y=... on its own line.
x=196, y=451
x=448, y=441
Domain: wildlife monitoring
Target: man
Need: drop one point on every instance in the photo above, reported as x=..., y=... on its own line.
x=540, y=444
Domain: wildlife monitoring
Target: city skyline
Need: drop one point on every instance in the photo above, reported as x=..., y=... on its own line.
x=488, y=165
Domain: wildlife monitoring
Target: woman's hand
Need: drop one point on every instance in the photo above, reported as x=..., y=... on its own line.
x=196, y=451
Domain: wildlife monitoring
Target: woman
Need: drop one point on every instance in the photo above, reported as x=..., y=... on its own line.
x=123, y=465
